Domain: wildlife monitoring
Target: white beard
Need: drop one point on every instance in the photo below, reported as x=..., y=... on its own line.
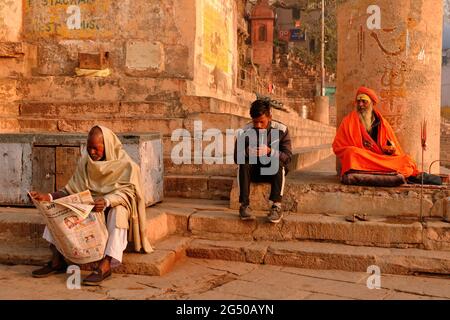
x=366, y=118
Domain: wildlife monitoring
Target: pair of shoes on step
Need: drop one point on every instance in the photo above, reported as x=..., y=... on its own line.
x=275, y=213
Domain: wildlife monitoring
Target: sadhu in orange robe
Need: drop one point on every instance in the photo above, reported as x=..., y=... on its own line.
x=357, y=150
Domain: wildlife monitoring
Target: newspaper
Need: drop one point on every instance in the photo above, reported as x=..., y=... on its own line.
x=79, y=234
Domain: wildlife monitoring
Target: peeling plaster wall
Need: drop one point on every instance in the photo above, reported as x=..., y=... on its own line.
x=144, y=38
x=445, y=92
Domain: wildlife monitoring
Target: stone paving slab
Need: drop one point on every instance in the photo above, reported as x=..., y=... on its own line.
x=225, y=280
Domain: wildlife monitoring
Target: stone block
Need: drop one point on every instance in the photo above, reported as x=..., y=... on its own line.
x=156, y=263
x=11, y=49
x=223, y=250
x=201, y=222
x=178, y=219
x=96, y=61
x=436, y=235
x=15, y=179
x=8, y=91
x=156, y=225
x=335, y=198
x=144, y=56
x=10, y=20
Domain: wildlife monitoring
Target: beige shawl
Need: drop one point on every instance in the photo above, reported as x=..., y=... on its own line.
x=117, y=174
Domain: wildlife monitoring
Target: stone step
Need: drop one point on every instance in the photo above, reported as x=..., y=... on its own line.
x=322, y=193
x=131, y=124
x=228, y=170
x=56, y=89
x=299, y=144
x=166, y=254
x=102, y=109
x=198, y=186
x=25, y=226
x=302, y=158
x=378, y=232
x=315, y=255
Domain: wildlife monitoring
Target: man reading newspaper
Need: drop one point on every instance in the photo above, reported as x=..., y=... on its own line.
x=114, y=180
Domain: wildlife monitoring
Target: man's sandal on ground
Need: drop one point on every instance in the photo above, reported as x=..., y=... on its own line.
x=48, y=270
x=96, y=277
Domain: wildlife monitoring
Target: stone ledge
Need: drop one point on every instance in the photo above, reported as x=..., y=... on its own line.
x=301, y=195
x=312, y=255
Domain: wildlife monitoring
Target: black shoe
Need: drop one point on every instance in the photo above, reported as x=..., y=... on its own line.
x=245, y=213
x=275, y=214
x=48, y=270
x=428, y=179
x=97, y=277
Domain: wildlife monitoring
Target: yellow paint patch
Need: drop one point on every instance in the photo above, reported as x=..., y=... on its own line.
x=216, y=41
x=68, y=19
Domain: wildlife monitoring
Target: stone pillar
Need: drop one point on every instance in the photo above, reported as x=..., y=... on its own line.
x=394, y=47
x=322, y=110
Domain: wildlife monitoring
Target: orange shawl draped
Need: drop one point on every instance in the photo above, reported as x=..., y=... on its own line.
x=354, y=154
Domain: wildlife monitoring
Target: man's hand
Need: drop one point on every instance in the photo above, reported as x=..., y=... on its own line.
x=252, y=151
x=39, y=196
x=263, y=150
x=389, y=150
x=99, y=204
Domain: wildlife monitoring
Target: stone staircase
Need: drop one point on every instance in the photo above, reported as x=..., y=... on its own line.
x=209, y=229
x=125, y=104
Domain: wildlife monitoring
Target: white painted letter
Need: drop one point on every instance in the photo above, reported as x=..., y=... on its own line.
x=74, y=21
x=374, y=21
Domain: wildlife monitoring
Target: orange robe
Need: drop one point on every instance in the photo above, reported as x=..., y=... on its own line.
x=354, y=154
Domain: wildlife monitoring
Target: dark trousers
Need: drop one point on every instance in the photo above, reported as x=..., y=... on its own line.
x=252, y=173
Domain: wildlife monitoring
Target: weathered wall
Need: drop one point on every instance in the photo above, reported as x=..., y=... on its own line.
x=394, y=47
x=10, y=20
x=216, y=56
x=445, y=91
x=144, y=38
x=445, y=143
x=11, y=62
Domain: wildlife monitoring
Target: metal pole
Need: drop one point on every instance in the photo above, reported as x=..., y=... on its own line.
x=421, y=190
x=322, y=87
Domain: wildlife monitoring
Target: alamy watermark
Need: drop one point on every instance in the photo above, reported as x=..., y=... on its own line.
x=252, y=147
x=374, y=280
x=74, y=280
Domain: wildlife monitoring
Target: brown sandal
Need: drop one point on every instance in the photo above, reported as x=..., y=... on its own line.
x=351, y=218
x=96, y=277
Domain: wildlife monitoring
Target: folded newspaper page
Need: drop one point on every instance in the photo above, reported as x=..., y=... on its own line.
x=79, y=234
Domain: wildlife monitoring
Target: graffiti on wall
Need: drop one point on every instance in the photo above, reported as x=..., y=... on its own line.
x=216, y=36
x=400, y=50
x=68, y=19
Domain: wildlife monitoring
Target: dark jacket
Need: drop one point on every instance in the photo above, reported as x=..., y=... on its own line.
x=284, y=152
